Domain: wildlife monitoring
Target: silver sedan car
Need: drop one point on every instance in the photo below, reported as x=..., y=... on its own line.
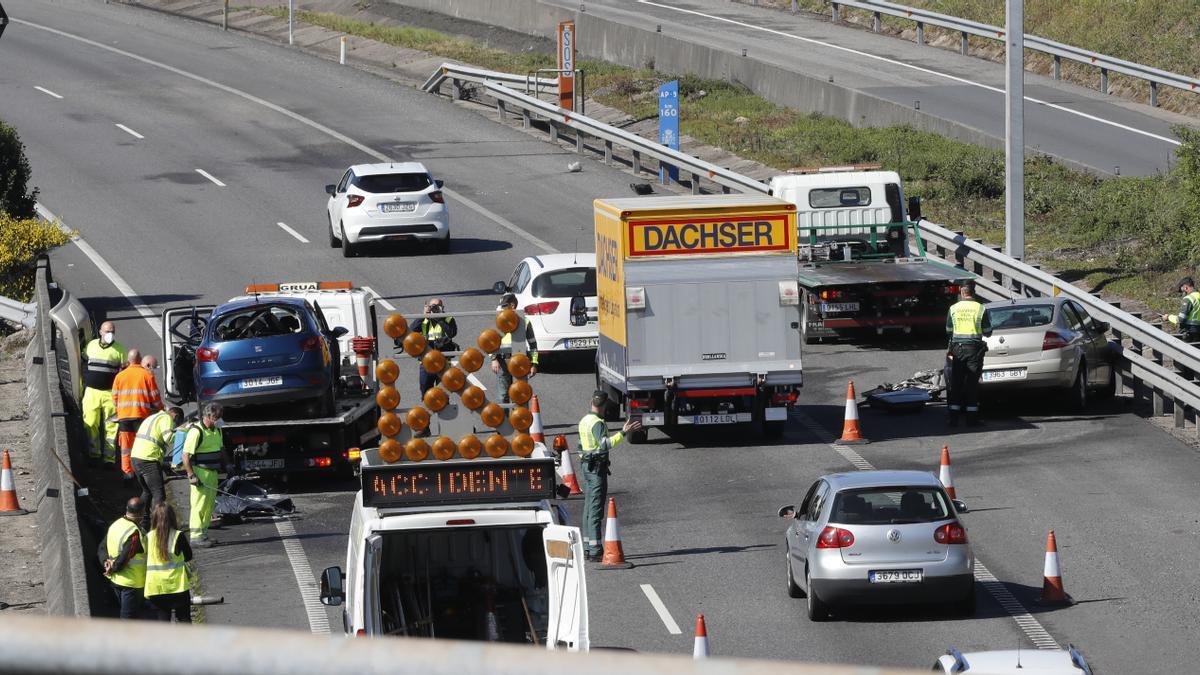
x=1048, y=343
x=878, y=537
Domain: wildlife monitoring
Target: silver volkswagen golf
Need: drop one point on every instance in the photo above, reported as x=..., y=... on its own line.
x=886, y=537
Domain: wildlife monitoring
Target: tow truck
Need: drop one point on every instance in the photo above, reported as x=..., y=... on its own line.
x=267, y=443
x=863, y=266
x=469, y=549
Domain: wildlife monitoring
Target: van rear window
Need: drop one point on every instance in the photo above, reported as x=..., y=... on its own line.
x=384, y=183
x=832, y=198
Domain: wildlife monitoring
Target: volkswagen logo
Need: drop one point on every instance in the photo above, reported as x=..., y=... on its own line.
x=893, y=536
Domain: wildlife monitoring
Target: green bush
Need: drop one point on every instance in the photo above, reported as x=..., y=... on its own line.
x=21, y=241
x=15, y=196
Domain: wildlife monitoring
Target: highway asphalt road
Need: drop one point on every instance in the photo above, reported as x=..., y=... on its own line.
x=1064, y=120
x=698, y=514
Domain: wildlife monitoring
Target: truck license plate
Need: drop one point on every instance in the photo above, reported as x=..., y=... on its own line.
x=1004, y=374
x=260, y=464
x=256, y=382
x=583, y=343
x=829, y=307
x=716, y=419
x=895, y=576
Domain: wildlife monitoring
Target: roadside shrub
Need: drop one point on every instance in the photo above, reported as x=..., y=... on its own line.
x=975, y=175
x=15, y=196
x=21, y=241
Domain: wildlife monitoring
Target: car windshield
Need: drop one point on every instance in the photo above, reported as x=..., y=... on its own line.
x=890, y=506
x=566, y=283
x=256, y=321
x=1020, y=316
x=393, y=182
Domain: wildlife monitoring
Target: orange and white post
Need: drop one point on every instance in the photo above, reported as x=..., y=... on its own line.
x=614, y=553
x=700, y=647
x=1052, y=583
x=946, y=475
x=851, y=434
x=566, y=65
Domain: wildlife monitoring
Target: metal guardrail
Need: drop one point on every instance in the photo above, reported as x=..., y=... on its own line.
x=1058, y=50
x=23, y=313
x=458, y=74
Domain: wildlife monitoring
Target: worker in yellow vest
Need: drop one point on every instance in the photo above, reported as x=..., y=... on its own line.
x=203, y=456
x=168, y=582
x=501, y=357
x=124, y=555
x=967, y=324
x=1188, y=318
x=595, y=443
x=103, y=359
x=154, y=439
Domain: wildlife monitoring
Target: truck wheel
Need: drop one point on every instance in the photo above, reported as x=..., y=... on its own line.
x=638, y=437
x=808, y=339
x=774, y=430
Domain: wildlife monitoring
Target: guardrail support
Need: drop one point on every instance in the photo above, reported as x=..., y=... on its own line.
x=836, y=15
x=525, y=119
x=456, y=89
x=1104, y=81
x=553, y=131
x=963, y=43
x=1180, y=413
x=920, y=33
x=578, y=141
x=795, y=6
x=607, y=152
x=1159, y=401
x=636, y=164
x=695, y=183
x=500, y=112
x=878, y=22
x=1057, y=67
x=1153, y=94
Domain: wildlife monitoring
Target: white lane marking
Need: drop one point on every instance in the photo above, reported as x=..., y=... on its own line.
x=108, y=271
x=318, y=620
x=663, y=612
x=380, y=299
x=129, y=131
x=290, y=231
x=496, y=218
x=928, y=71
x=211, y=177
x=47, y=91
x=1030, y=626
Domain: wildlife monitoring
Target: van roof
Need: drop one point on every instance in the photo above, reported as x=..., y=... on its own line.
x=690, y=202
x=833, y=179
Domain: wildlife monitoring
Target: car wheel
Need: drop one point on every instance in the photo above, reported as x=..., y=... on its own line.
x=817, y=610
x=1079, y=391
x=1109, y=389
x=334, y=242
x=347, y=247
x=328, y=404
x=774, y=430
x=793, y=589
x=966, y=606
x=638, y=437
x=442, y=246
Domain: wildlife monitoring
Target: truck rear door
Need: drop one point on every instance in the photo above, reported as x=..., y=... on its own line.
x=568, y=624
x=183, y=330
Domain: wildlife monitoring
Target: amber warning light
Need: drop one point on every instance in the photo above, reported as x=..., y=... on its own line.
x=398, y=485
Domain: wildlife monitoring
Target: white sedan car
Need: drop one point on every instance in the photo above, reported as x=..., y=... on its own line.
x=387, y=203
x=558, y=294
x=1018, y=662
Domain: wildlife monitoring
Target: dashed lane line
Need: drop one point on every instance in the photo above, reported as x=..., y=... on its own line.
x=47, y=91
x=663, y=612
x=211, y=177
x=129, y=131
x=285, y=228
x=1030, y=626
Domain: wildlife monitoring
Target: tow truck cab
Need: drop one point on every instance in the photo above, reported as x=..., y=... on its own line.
x=462, y=549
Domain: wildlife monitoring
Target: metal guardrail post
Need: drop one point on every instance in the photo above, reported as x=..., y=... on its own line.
x=500, y=112
x=553, y=131
x=920, y=33
x=456, y=89
x=1104, y=81
x=795, y=6
x=525, y=119
x=1153, y=94
x=695, y=183
x=1159, y=401
x=1057, y=67
x=963, y=44
x=579, y=141
x=878, y=22
x=608, y=145
x=835, y=16
x=637, y=163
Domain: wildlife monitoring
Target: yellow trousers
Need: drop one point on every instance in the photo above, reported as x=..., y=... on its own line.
x=99, y=419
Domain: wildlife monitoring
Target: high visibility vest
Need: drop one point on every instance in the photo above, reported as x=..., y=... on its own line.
x=164, y=575
x=967, y=319
x=153, y=437
x=103, y=364
x=593, y=435
x=1193, y=315
x=135, y=393
x=133, y=574
x=506, y=345
x=204, y=445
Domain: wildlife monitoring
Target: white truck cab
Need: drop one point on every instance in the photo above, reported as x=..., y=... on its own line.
x=462, y=549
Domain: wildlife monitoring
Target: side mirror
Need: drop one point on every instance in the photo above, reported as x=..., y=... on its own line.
x=439, y=183
x=960, y=506
x=499, y=288
x=332, y=591
x=788, y=511
x=330, y=190
x=914, y=209
x=339, y=331
x=579, y=311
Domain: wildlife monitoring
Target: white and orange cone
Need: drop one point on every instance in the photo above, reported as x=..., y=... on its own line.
x=9, y=506
x=535, y=429
x=700, y=649
x=1053, y=592
x=364, y=348
x=946, y=475
x=566, y=474
x=614, y=554
x=851, y=435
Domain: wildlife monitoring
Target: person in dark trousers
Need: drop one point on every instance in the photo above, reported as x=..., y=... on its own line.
x=967, y=324
x=124, y=559
x=594, y=447
x=1188, y=318
x=154, y=440
x=167, y=556
x=439, y=333
x=500, y=358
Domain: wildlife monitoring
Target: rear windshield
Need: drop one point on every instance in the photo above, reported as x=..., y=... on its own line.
x=890, y=505
x=393, y=182
x=566, y=283
x=258, y=321
x=829, y=198
x=1020, y=316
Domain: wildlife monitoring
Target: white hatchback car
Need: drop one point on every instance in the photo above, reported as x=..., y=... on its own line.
x=558, y=294
x=1024, y=662
x=385, y=203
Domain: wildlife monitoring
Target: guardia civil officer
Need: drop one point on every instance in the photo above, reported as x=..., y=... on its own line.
x=500, y=359
x=1188, y=318
x=967, y=324
x=594, y=447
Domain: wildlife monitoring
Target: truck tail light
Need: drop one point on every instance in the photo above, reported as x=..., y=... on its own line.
x=832, y=295
x=310, y=344
x=1053, y=340
x=542, y=308
x=353, y=201
x=835, y=537
x=437, y=197
x=951, y=289
x=784, y=397
x=206, y=355
x=640, y=404
x=320, y=462
x=950, y=533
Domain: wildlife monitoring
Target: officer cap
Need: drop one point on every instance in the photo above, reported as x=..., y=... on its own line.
x=1186, y=281
x=599, y=398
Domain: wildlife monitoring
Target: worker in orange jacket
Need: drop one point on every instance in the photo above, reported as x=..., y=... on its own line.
x=135, y=397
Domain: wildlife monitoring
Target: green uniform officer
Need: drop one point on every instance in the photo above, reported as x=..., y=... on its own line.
x=1188, y=318
x=203, y=455
x=967, y=324
x=500, y=358
x=594, y=447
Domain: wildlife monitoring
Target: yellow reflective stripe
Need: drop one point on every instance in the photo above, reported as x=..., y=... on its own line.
x=157, y=441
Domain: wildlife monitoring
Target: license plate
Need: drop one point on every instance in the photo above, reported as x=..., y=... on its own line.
x=260, y=464
x=583, y=343
x=257, y=382
x=896, y=576
x=828, y=307
x=1005, y=374
x=716, y=419
x=397, y=207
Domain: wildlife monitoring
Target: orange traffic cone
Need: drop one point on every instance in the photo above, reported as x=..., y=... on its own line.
x=850, y=431
x=535, y=429
x=1052, y=583
x=8, y=492
x=947, y=475
x=614, y=555
x=700, y=649
x=566, y=472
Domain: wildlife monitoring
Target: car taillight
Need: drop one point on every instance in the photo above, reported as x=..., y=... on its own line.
x=310, y=344
x=950, y=533
x=542, y=308
x=1053, y=340
x=353, y=200
x=437, y=197
x=835, y=537
x=784, y=397
x=951, y=289
x=206, y=355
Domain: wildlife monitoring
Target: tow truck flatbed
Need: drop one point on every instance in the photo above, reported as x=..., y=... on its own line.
x=890, y=270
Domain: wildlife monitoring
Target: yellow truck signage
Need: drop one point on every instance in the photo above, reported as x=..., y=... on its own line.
x=726, y=234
